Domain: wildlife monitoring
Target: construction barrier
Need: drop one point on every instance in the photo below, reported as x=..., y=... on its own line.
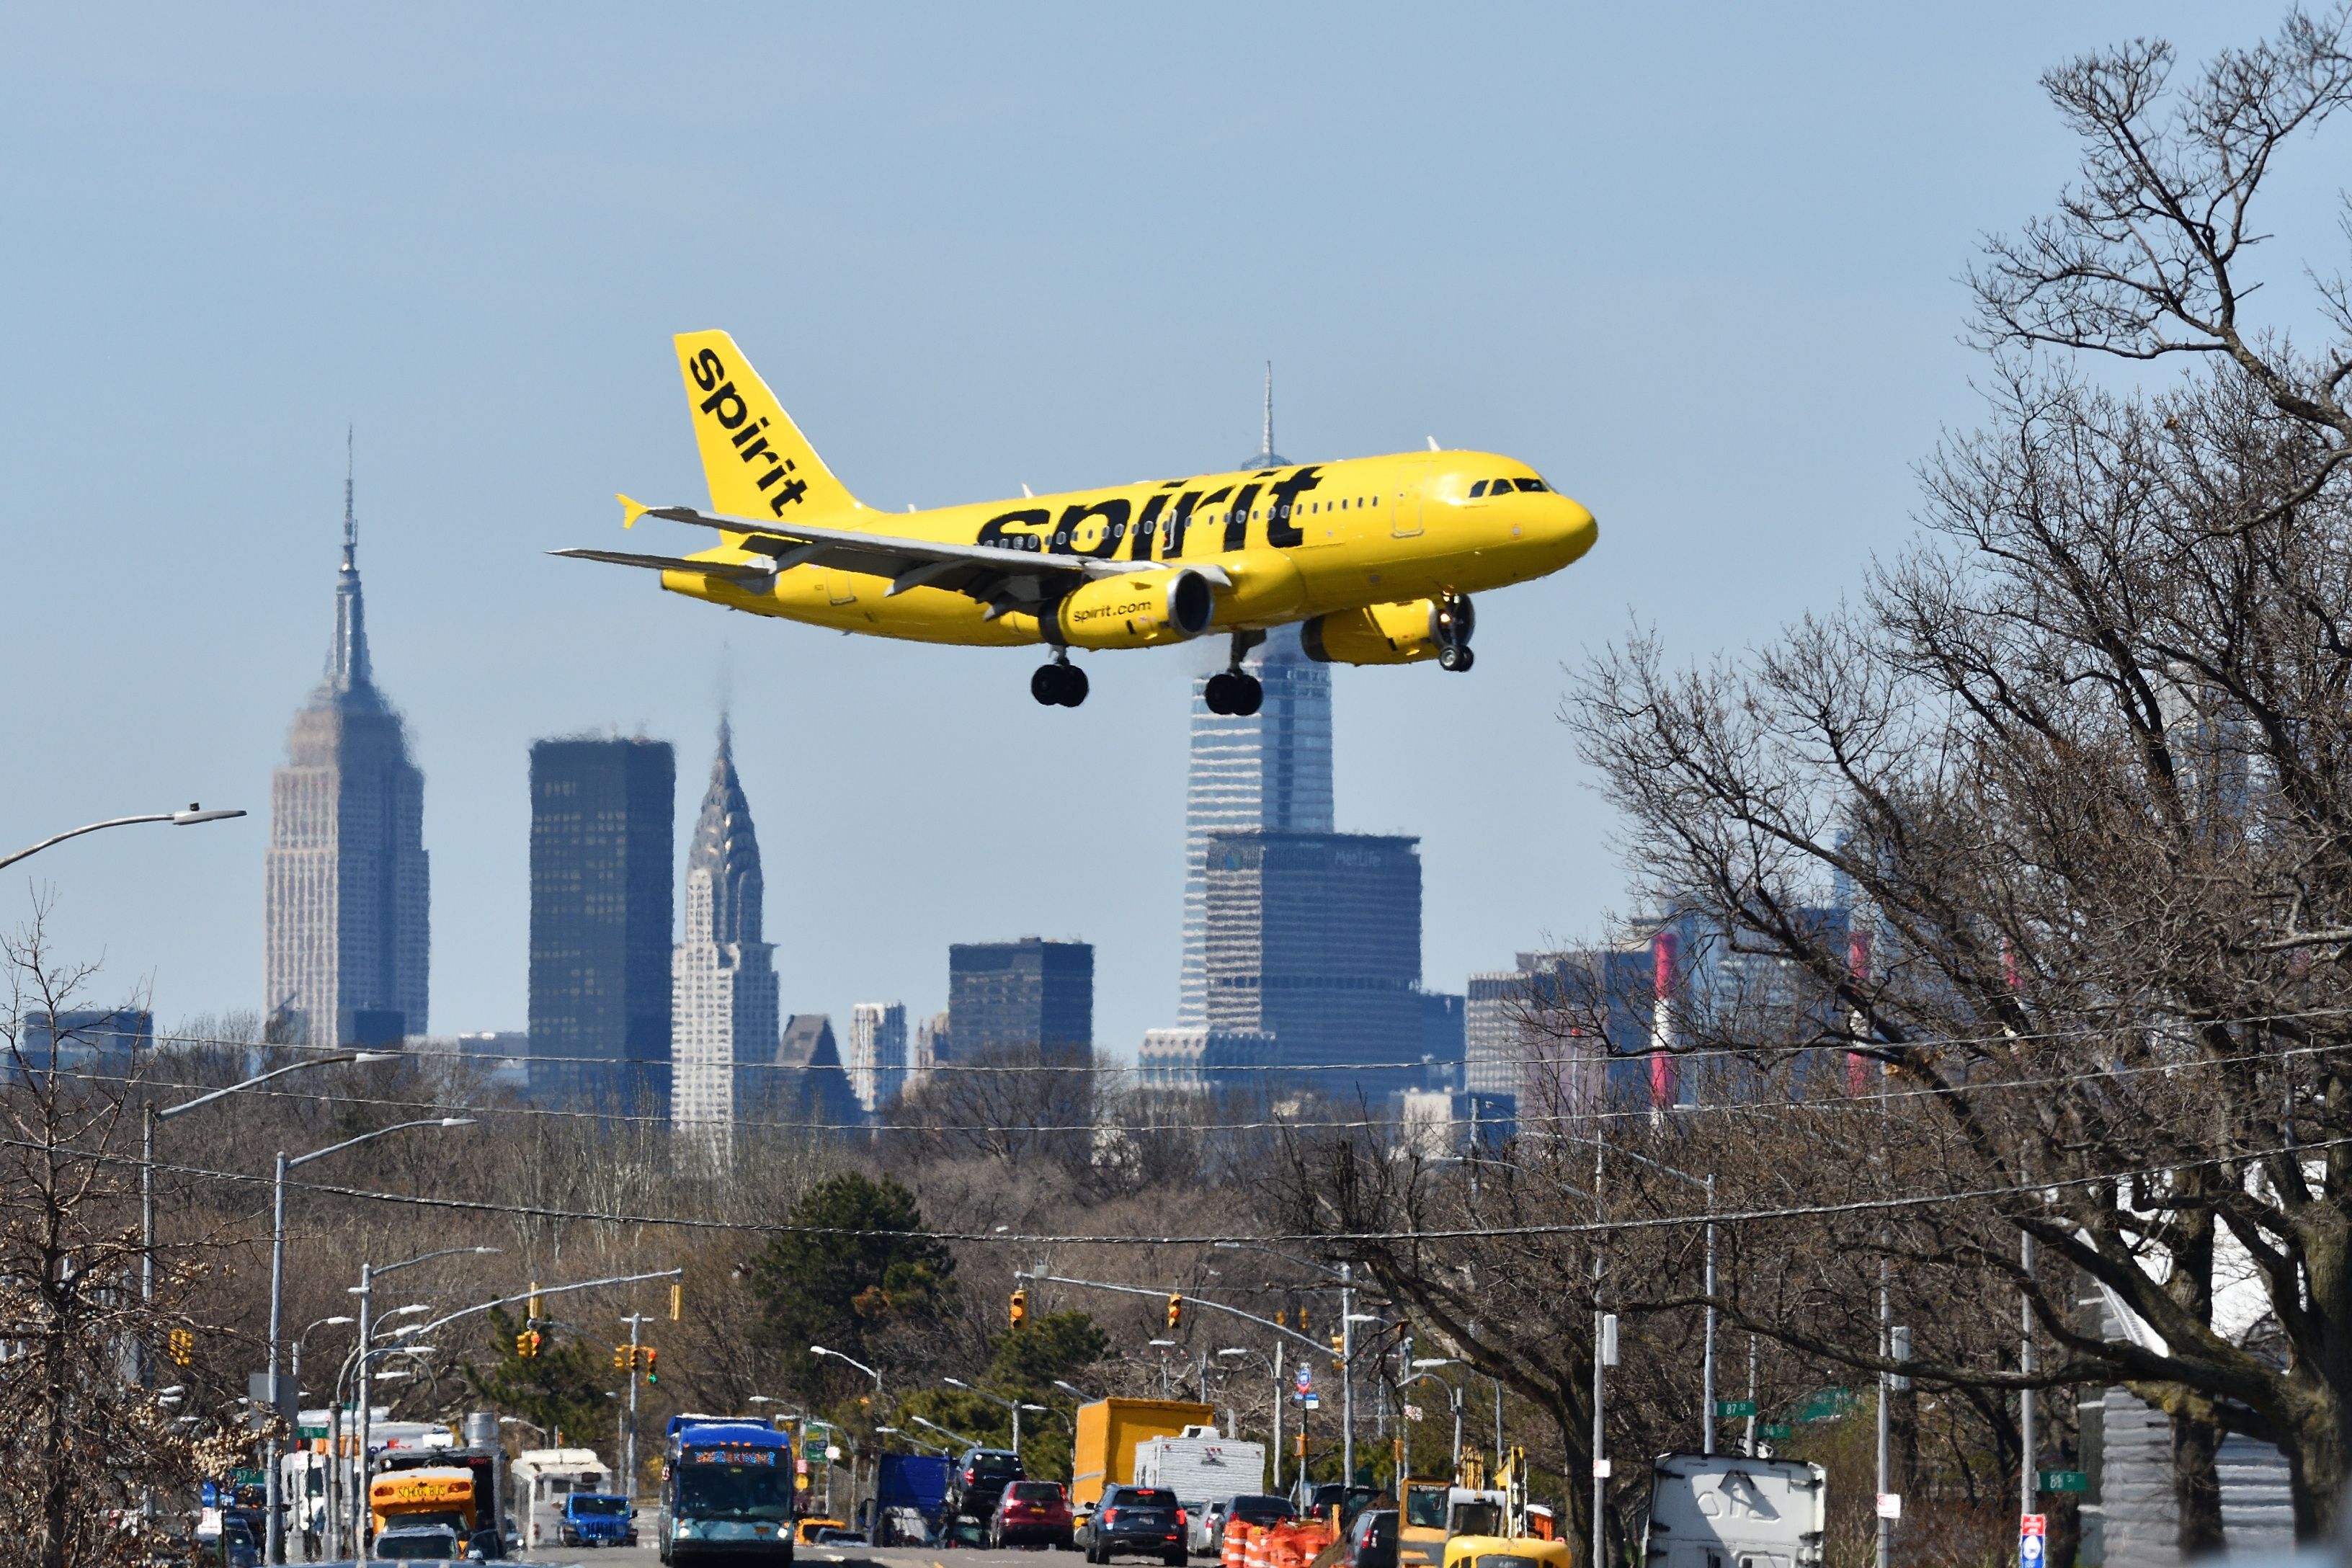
x=1237, y=1543
x=1255, y=1539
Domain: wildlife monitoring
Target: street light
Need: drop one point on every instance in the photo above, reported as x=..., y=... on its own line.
x=271, y=1487
x=188, y=819
x=1014, y=1405
x=365, y=1292
x=1273, y=1366
x=147, y=1146
x=1425, y=1367
x=947, y=1432
x=820, y=1350
x=1080, y=1394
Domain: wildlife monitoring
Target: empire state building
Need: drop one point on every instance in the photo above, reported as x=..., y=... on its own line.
x=347, y=934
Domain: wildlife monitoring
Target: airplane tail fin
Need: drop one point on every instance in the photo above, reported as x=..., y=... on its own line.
x=758, y=462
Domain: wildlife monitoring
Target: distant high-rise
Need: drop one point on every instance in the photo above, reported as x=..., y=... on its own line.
x=1271, y=769
x=724, y=1018
x=877, y=1054
x=1033, y=995
x=601, y=906
x=1315, y=938
x=346, y=933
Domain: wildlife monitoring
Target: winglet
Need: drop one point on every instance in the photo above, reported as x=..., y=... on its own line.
x=631, y=510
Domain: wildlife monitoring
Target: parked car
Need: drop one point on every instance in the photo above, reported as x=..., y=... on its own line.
x=980, y=1478
x=837, y=1535
x=1329, y=1495
x=1372, y=1539
x=418, y=1544
x=1031, y=1513
x=1135, y=1521
x=805, y=1530
x=962, y=1531
x=1250, y=1507
x=596, y=1519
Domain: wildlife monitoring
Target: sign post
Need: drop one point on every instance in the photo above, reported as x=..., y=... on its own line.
x=2033, y=1536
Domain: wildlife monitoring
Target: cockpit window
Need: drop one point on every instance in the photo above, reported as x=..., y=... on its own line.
x=1477, y=489
x=1532, y=485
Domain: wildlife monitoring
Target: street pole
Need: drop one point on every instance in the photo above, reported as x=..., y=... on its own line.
x=1347, y=1378
x=364, y=1398
x=1600, y=1460
x=1751, y=1396
x=629, y=1448
x=1706, y=1395
x=274, y=1528
x=1457, y=1433
x=147, y=1207
x=2028, y=1481
x=1885, y=1396
x=1277, y=1416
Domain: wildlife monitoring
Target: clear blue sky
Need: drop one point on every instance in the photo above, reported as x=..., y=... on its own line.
x=1695, y=264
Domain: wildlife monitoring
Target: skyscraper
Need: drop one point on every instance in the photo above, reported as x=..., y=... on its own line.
x=877, y=1054
x=1033, y=995
x=346, y=934
x=1315, y=938
x=1271, y=769
x=600, y=905
x=724, y=1018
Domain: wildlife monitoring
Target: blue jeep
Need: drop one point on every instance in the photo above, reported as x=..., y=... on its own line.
x=592, y=1519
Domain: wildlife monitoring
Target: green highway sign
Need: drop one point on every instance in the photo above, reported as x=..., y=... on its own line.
x=1825, y=1405
x=1732, y=1409
x=2066, y=1481
x=1773, y=1431
x=308, y=1432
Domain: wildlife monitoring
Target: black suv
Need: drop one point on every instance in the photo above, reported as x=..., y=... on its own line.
x=980, y=1478
x=1140, y=1522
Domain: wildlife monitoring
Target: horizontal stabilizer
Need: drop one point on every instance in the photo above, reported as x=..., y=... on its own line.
x=735, y=572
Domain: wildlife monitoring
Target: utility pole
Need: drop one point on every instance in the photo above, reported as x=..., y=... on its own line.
x=2028, y=1481
x=1600, y=1331
x=365, y=1383
x=1706, y=1395
x=1752, y=1406
x=1346, y=1377
x=629, y=1444
x=1886, y=1430
x=1277, y=1416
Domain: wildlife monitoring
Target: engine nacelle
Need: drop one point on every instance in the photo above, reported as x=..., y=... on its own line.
x=1136, y=609
x=1389, y=634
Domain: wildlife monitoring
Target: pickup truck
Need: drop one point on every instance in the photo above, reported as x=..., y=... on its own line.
x=594, y=1519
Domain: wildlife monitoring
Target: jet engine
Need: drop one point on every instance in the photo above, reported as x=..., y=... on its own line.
x=1136, y=609
x=1394, y=634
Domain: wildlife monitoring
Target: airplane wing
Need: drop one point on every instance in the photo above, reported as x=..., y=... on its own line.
x=1001, y=579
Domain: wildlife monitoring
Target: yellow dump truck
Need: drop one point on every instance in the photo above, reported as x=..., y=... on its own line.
x=1109, y=1430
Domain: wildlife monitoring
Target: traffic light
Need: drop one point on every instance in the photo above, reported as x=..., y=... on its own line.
x=651, y=1376
x=1175, y=1310
x=1339, y=1352
x=622, y=1358
x=677, y=1300
x=1019, y=1310
x=1302, y=1318
x=183, y=1347
x=522, y=1345
x=1282, y=1317
x=532, y=1315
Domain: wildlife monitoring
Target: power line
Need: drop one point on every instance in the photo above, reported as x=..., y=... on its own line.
x=1736, y=1053
x=2031, y=1192
x=1820, y=1103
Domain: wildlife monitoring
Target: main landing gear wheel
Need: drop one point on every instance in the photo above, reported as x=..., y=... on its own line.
x=1234, y=693
x=1059, y=685
x=1455, y=658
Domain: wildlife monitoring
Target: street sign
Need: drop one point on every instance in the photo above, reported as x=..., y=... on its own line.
x=1312, y=1401
x=1733, y=1409
x=2066, y=1481
x=1412, y=1411
x=1773, y=1431
x=1890, y=1505
x=2032, y=1532
x=1306, y=1378
x=307, y=1432
x=1825, y=1403
x=1600, y=1470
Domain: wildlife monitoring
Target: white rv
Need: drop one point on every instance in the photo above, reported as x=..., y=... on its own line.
x=1199, y=1465
x=1730, y=1510
x=542, y=1478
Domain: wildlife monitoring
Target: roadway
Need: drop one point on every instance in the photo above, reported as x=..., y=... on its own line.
x=859, y=1557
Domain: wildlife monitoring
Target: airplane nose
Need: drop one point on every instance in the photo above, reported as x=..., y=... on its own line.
x=1576, y=529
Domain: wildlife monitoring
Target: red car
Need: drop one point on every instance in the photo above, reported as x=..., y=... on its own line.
x=1031, y=1512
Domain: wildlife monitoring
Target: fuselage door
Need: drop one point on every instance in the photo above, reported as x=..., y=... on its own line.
x=1404, y=499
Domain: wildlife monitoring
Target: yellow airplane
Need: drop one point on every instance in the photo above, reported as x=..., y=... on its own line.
x=1376, y=558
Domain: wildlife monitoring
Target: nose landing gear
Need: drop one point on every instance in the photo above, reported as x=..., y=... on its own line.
x=1060, y=684
x=1451, y=626
x=1234, y=691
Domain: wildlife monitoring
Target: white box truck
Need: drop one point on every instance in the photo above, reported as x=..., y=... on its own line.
x=1730, y=1510
x=1200, y=1467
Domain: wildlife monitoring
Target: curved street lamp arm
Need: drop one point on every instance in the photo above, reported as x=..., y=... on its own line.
x=192, y=815
x=379, y=1132
x=551, y=1290
x=1189, y=1300
x=166, y=1113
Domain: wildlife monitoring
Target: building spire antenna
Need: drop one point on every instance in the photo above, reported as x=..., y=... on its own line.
x=1269, y=408
x=350, y=519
